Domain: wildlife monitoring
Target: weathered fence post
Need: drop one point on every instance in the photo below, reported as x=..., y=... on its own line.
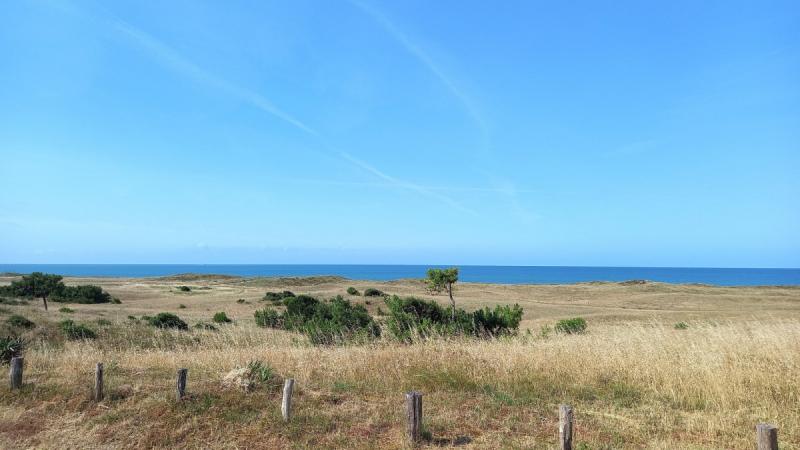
x=98, y=382
x=766, y=436
x=16, y=372
x=181, y=383
x=286, y=404
x=414, y=415
x=565, y=427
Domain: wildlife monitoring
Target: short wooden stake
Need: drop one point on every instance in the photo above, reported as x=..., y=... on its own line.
x=181, y=391
x=16, y=372
x=766, y=436
x=414, y=415
x=286, y=404
x=565, y=427
x=98, y=382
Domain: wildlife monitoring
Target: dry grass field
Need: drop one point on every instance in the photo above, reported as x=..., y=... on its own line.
x=634, y=380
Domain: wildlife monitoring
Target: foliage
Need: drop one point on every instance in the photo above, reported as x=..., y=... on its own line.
x=104, y=322
x=442, y=279
x=260, y=371
x=372, y=292
x=268, y=318
x=184, y=289
x=10, y=347
x=241, y=300
x=167, y=320
x=353, y=291
x=116, y=301
x=575, y=325
x=76, y=331
x=37, y=284
x=87, y=293
x=336, y=321
x=413, y=317
x=181, y=306
x=20, y=321
x=205, y=326
x=66, y=310
x=277, y=297
x=221, y=317
x=681, y=326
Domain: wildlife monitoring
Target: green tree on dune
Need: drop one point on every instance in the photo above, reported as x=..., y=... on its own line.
x=443, y=280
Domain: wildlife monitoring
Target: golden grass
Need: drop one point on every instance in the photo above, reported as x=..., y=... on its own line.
x=633, y=385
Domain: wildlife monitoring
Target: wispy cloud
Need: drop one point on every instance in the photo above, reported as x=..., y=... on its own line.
x=429, y=63
x=184, y=66
x=407, y=185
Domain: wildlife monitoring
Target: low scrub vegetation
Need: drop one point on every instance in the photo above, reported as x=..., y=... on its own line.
x=353, y=291
x=66, y=310
x=323, y=322
x=575, y=325
x=411, y=318
x=277, y=297
x=49, y=286
x=372, y=292
x=76, y=331
x=10, y=347
x=221, y=317
x=166, y=320
x=19, y=321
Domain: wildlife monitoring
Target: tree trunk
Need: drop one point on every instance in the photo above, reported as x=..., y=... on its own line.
x=44, y=299
x=452, y=301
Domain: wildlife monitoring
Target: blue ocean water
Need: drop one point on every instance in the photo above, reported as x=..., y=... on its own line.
x=481, y=274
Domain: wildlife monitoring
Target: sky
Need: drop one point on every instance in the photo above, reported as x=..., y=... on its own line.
x=414, y=132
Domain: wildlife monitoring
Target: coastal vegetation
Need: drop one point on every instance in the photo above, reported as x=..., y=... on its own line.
x=491, y=378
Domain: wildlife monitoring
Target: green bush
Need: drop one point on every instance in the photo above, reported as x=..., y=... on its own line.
x=268, y=318
x=116, y=301
x=76, y=331
x=575, y=325
x=66, y=310
x=20, y=321
x=277, y=297
x=372, y=292
x=353, y=291
x=167, y=320
x=221, y=317
x=181, y=306
x=10, y=347
x=412, y=317
x=260, y=371
x=241, y=300
x=184, y=289
x=681, y=326
x=87, y=293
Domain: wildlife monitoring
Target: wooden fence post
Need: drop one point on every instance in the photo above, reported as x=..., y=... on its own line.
x=766, y=436
x=16, y=372
x=565, y=427
x=181, y=391
x=98, y=382
x=286, y=404
x=414, y=415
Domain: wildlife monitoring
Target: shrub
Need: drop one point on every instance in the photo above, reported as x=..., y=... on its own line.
x=260, y=372
x=20, y=321
x=241, y=300
x=681, y=326
x=303, y=306
x=133, y=318
x=503, y=320
x=372, y=292
x=10, y=347
x=103, y=322
x=221, y=317
x=87, y=293
x=353, y=291
x=167, y=320
x=184, y=289
x=74, y=330
x=277, y=297
x=66, y=310
x=268, y=318
x=181, y=306
x=205, y=326
x=115, y=301
x=575, y=325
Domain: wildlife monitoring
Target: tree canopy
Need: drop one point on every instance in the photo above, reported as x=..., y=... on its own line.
x=443, y=280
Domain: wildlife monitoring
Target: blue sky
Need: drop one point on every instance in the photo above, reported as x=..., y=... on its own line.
x=447, y=132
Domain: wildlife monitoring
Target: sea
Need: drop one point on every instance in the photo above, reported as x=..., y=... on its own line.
x=468, y=273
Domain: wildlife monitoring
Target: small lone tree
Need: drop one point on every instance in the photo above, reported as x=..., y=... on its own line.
x=38, y=284
x=443, y=280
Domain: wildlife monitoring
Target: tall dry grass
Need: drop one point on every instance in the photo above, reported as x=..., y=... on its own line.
x=633, y=386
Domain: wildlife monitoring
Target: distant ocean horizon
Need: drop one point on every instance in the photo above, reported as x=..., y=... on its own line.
x=468, y=273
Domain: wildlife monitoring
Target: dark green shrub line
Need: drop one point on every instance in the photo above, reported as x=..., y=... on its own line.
x=353, y=291
x=48, y=286
x=372, y=292
x=277, y=297
x=221, y=317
